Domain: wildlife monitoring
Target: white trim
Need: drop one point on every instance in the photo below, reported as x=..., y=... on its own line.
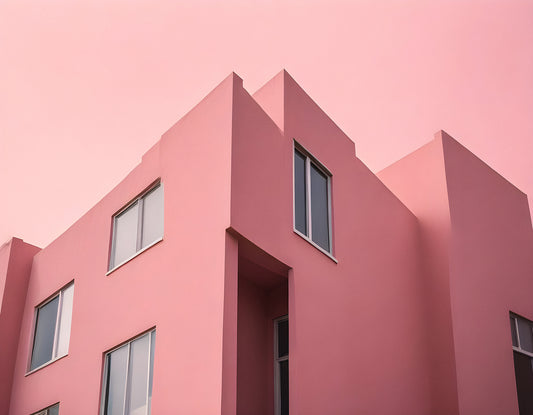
x=58, y=294
x=139, y=200
x=297, y=232
x=134, y=255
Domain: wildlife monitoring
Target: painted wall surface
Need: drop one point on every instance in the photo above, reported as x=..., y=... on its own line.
x=16, y=258
x=176, y=286
x=484, y=254
x=384, y=325
x=356, y=330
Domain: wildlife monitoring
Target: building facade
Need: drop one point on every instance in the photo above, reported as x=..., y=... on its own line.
x=252, y=264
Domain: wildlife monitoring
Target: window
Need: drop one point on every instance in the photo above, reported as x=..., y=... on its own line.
x=312, y=200
x=138, y=226
x=522, y=339
x=281, y=365
x=52, y=328
x=128, y=372
x=51, y=410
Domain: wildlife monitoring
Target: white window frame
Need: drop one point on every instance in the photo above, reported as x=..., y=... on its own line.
x=311, y=160
x=277, y=361
x=127, y=392
x=55, y=356
x=518, y=348
x=139, y=249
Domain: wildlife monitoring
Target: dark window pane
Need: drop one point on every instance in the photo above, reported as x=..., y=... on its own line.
x=525, y=335
x=319, y=208
x=53, y=410
x=513, y=332
x=283, y=338
x=300, y=201
x=117, y=363
x=43, y=343
x=284, y=386
x=524, y=382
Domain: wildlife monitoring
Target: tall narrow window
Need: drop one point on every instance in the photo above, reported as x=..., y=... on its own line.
x=281, y=369
x=312, y=200
x=128, y=373
x=522, y=340
x=137, y=226
x=51, y=335
x=51, y=410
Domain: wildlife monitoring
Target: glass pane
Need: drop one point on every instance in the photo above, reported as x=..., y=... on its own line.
x=525, y=335
x=283, y=338
x=125, y=243
x=524, y=382
x=138, y=376
x=43, y=343
x=513, y=332
x=284, y=386
x=53, y=410
x=152, y=351
x=319, y=208
x=300, y=201
x=117, y=363
x=65, y=321
x=152, y=216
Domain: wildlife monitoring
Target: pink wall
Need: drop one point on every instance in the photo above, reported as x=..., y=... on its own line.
x=16, y=259
x=478, y=233
x=176, y=286
x=356, y=334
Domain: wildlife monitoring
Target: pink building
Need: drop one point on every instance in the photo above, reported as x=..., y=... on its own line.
x=252, y=264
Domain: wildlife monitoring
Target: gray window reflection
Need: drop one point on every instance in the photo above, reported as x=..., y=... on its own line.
x=43, y=342
x=300, y=198
x=126, y=234
x=128, y=378
x=319, y=208
x=152, y=228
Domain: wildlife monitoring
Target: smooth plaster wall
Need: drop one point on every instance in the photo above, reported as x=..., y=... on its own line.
x=356, y=329
x=16, y=259
x=176, y=286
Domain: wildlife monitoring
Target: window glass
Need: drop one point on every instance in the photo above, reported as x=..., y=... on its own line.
x=126, y=234
x=43, y=343
x=284, y=386
x=117, y=364
x=65, y=320
x=283, y=338
x=152, y=228
x=300, y=199
x=525, y=335
x=53, y=410
x=319, y=208
x=128, y=382
x=138, y=376
x=513, y=332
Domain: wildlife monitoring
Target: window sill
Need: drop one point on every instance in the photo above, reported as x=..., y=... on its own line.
x=136, y=254
x=328, y=254
x=45, y=364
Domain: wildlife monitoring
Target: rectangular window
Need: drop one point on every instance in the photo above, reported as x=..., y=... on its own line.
x=51, y=335
x=51, y=410
x=281, y=368
x=137, y=226
x=522, y=340
x=312, y=199
x=128, y=373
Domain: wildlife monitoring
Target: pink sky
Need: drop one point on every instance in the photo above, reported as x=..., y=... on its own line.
x=88, y=86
